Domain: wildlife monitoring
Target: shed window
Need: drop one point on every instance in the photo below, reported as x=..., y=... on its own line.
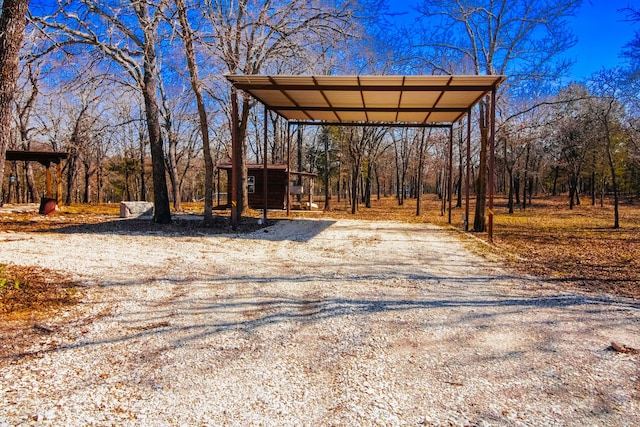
x=251, y=184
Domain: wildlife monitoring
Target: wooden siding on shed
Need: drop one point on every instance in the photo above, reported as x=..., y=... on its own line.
x=276, y=193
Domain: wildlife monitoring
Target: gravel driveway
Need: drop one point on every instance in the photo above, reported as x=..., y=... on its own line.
x=314, y=323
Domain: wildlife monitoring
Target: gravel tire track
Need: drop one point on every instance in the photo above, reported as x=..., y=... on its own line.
x=312, y=323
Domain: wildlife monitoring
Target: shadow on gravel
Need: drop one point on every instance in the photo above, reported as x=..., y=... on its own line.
x=250, y=314
x=298, y=230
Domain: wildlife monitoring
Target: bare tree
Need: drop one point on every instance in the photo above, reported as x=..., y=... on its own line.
x=126, y=34
x=254, y=35
x=25, y=104
x=423, y=146
x=518, y=38
x=356, y=141
x=188, y=37
x=403, y=140
x=607, y=109
x=169, y=126
x=572, y=136
x=12, y=25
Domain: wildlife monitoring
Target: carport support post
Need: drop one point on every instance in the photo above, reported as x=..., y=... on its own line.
x=450, y=170
x=288, y=169
x=234, y=159
x=48, y=181
x=492, y=162
x=468, y=167
x=265, y=171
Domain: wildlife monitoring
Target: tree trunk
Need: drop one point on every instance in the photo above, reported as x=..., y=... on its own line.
x=572, y=191
x=72, y=172
x=525, y=181
x=172, y=170
x=143, y=175
x=479, y=223
x=459, y=183
x=239, y=153
x=510, y=203
x=355, y=176
x=593, y=188
x=368, y=184
x=614, y=182
x=445, y=191
x=31, y=182
x=327, y=170
x=299, y=180
x=187, y=37
x=420, y=171
x=12, y=24
x=162, y=211
x=99, y=177
x=87, y=183
x=375, y=171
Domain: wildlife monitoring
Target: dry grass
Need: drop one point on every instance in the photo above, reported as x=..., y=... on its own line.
x=27, y=292
x=577, y=248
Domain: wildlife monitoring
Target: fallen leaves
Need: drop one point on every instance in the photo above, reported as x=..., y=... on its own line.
x=576, y=247
x=30, y=291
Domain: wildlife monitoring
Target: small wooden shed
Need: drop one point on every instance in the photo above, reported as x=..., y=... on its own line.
x=276, y=184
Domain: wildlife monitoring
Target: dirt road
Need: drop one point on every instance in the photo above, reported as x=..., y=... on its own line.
x=311, y=323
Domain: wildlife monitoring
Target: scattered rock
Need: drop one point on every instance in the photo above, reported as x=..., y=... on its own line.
x=621, y=348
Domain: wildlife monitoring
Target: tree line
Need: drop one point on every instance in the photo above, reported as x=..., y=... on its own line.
x=134, y=91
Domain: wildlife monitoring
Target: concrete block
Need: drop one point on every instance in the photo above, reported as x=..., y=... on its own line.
x=136, y=209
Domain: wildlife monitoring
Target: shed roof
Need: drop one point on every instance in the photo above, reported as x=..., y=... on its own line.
x=260, y=166
x=43, y=157
x=366, y=99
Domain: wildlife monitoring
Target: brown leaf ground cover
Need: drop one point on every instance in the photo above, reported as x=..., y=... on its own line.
x=577, y=248
x=25, y=290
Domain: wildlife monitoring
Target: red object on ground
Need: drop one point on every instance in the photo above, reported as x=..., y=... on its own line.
x=48, y=206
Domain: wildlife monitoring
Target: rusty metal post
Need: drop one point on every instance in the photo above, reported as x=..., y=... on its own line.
x=288, y=169
x=234, y=158
x=265, y=171
x=467, y=178
x=218, y=187
x=59, y=183
x=492, y=162
x=49, y=193
x=450, y=171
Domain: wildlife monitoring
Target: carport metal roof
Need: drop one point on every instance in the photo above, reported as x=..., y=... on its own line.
x=417, y=100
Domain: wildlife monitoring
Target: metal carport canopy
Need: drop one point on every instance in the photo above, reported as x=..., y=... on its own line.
x=418, y=100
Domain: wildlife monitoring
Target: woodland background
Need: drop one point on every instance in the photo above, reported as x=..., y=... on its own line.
x=134, y=91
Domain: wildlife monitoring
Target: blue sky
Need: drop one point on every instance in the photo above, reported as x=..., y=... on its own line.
x=602, y=32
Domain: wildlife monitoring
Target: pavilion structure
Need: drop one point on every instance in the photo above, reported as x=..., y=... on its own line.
x=385, y=101
x=47, y=159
